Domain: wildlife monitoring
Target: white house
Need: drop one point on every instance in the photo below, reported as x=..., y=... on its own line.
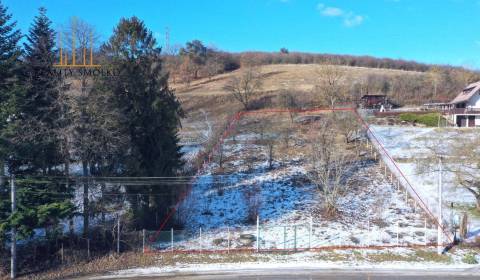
x=465, y=108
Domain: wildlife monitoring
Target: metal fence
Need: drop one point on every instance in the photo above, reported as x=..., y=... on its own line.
x=292, y=237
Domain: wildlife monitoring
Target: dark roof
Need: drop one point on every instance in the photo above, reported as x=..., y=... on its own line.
x=374, y=95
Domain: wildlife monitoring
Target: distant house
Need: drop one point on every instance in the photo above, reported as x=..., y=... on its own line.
x=464, y=110
x=375, y=101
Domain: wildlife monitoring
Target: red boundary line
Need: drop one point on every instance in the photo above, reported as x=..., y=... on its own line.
x=404, y=177
x=232, y=124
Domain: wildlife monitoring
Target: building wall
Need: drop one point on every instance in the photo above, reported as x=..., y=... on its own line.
x=477, y=121
x=474, y=102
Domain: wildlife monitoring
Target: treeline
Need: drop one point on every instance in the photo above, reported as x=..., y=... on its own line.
x=286, y=57
x=440, y=83
x=195, y=60
x=124, y=124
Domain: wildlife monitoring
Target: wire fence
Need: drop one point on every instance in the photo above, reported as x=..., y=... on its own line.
x=293, y=237
x=392, y=171
x=108, y=197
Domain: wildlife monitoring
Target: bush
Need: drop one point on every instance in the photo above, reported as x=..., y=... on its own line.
x=430, y=119
x=470, y=259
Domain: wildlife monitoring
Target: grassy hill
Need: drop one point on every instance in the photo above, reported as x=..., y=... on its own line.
x=300, y=79
x=206, y=100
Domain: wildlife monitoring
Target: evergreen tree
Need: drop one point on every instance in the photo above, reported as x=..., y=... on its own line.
x=151, y=109
x=9, y=62
x=37, y=146
x=35, y=150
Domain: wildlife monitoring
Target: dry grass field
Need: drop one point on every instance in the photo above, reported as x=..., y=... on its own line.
x=207, y=98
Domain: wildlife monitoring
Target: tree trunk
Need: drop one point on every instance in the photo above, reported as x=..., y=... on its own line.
x=2, y=172
x=86, y=211
x=67, y=186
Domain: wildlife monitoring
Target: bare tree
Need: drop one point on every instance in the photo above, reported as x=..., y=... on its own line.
x=460, y=158
x=288, y=101
x=329, y=164
x=329, y=85
x=348, y=126
x=245, y=87
x=466, y=165
x=435, y=75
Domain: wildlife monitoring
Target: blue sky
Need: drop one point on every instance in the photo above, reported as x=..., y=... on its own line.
x=432, y=31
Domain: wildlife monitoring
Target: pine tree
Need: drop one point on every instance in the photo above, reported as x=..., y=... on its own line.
x=9, y=62
x=150, y=108
x=35, y=146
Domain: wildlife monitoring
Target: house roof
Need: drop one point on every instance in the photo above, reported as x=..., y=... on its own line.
x=466, y=93
x=373, y=95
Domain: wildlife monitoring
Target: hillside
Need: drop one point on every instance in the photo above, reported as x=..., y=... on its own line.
x=209, y=96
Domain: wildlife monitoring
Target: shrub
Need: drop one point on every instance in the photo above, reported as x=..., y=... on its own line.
x=430, y=119
x=470, y=259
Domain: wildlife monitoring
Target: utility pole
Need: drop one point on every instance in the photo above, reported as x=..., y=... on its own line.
x=167, y=40
x=13, y=263
x=118, y=234
x=440, y=219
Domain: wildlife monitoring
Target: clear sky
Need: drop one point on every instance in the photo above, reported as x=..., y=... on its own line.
x=432, y=31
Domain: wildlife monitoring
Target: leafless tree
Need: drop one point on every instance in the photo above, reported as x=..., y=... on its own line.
x=348, y=126
x=466, y=166
x=435, y=75
x=461, y=158
x=329, y=162
x=330, y=84
x=245, y=86
x=288, y=101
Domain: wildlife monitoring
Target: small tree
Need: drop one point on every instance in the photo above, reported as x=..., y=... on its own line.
x=329, y=164
x=329, y=86
x=197, y=54
x=244, y=87
x=288, y=101
x=463, y=162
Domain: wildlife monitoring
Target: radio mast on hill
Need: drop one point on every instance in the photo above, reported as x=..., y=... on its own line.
x=167, y=39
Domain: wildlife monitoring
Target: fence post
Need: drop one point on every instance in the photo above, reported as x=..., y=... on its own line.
x=228, y=240
x=118, y=234
x=143, y=241
x=368, y=233
x=295, y=238
x=201, y=247
x=425, y=232
x=258, y=233
x=88, y=248
x=13, y=248
x=171, y=239
x=310, y=234
x=398, y=233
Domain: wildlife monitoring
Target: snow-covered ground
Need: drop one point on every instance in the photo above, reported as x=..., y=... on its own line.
x=222, y=206
x=406, y=145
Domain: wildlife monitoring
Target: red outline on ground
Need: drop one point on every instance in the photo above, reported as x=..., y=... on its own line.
x=227, y=132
